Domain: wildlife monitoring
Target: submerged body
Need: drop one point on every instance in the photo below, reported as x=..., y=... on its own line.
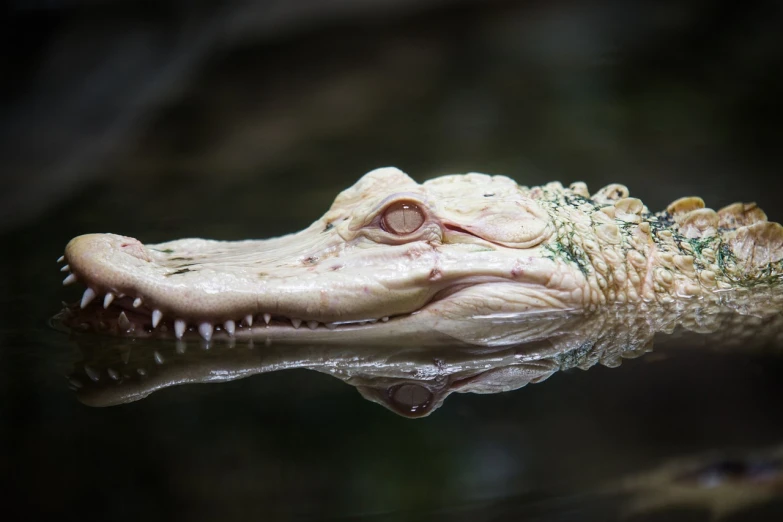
x=451, y=257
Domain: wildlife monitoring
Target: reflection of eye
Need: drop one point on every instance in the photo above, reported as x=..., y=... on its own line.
x=410, y=398
x=402, y=217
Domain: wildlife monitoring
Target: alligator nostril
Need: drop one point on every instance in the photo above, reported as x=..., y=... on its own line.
x=135, y=248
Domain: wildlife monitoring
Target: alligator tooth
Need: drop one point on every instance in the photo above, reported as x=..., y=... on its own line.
x=312, y=324
x=267, y=318
x=88, y=296
x=113, y=374
x=70, y=279
x=157, y=315
x=248, y=319
x=92, y=373
x=123, y=321
x=205, y=329
x=179, y=328
x=66, y=268
x=158, y=357
x=76, y=382
x=141, y=371
x=230, y=327
x=180, y=347
x=61, y=259
x=137, y=302
x=107, y=300
x=330, y=326
x=385, y=318
x=296, y=322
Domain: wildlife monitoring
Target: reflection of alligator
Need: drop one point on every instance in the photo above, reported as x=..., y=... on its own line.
x=412, y=379
x=723, y=483
x=396, y=258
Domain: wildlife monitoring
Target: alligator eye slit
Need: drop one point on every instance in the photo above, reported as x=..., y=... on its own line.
x=329, y=226
x=402, y=218
x=488, y=195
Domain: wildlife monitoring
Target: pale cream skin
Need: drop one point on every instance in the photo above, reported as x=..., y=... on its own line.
x=396, y=258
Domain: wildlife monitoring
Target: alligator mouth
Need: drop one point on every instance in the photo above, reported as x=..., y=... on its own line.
x=235, y=289
x=120, y=314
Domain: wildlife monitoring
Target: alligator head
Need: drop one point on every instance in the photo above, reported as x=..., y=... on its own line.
x=391, y=255
x=450, y=257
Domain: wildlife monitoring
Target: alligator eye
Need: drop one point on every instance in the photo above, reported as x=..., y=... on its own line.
x=402, y=218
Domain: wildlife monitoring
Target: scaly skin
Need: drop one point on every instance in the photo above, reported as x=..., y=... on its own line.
x=485, y=249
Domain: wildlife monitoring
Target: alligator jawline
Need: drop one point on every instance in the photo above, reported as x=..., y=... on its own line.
x=121, y=317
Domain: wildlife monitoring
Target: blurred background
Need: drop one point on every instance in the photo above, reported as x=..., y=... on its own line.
x=240, y=96
x=239, y=119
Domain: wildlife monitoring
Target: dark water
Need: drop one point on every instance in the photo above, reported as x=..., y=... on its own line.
x=259, y=138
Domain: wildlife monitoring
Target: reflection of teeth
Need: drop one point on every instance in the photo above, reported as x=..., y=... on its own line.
x=137, y=302
x=179, y=328
x=312, y=324
x=267, y=318
x=230, y=327
x=88, y=296
x=296, y=322
x=385, y=318
x=205, y=329
x=157, y=315
x=92, y=373
x=330, y=326
x=107, y=300
x=70, y=279
x=123, y=321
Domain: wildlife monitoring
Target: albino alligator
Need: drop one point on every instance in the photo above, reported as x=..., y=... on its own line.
x=394, y=259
